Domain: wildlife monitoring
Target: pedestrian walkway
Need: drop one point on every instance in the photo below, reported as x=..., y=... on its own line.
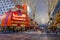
x=26, y=36
x=35, y=32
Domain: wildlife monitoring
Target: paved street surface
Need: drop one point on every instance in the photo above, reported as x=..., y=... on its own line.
x=28, y=36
